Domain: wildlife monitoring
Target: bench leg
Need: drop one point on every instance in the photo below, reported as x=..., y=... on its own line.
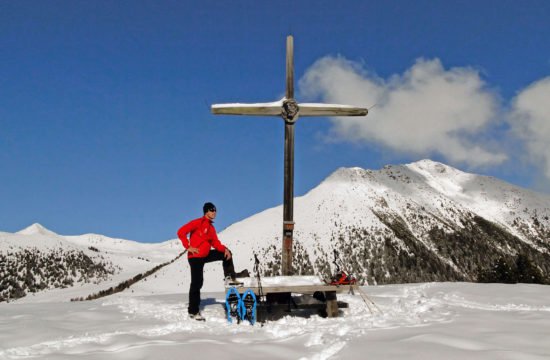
x=332, y=304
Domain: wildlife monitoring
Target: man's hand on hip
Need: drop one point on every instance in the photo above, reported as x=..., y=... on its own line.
x=227, y=254
x=193, y=250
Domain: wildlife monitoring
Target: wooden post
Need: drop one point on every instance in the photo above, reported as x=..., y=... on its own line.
x=332, y=304
x=289, y=116
x=288, y=200
x=289, y=67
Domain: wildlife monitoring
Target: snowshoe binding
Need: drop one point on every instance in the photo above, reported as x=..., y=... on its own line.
x=232, y=281
x=233, y=304
x=248, y=306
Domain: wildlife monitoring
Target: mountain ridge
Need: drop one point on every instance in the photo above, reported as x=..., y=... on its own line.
x=409, y=205
x=37, y=264
x=423, y=221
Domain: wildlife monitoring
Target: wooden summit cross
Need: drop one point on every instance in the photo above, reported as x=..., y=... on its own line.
x=289, y=109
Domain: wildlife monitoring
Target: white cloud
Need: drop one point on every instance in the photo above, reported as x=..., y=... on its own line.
x=427, y=110
x=530, y=121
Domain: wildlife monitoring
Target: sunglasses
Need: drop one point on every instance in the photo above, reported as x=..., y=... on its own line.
x=212, y=210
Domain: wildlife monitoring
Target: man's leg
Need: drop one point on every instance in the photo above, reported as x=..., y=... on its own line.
x=197, y=265
x=228, y=267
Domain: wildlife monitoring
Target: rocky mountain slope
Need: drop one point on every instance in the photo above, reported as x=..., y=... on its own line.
x=37, y=261
x=419, y=222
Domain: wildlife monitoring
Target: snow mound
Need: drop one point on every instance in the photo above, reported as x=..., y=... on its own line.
x=36, y=229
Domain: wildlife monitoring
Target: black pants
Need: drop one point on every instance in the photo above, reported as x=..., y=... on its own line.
x=197, y=266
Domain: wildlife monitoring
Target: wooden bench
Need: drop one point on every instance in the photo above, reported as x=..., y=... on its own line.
x=278, y=292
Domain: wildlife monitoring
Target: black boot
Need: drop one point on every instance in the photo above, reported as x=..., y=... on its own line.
x=242, y=274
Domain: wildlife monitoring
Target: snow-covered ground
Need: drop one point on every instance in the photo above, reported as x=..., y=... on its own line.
x=419, y=321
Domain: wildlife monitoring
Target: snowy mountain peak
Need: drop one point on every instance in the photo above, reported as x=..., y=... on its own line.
x=426, y=169
x=35, y=229
x=344, y=174
x=443, y=178
x=433, y=168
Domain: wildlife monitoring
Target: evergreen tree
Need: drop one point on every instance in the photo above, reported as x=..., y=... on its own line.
x=527, y=271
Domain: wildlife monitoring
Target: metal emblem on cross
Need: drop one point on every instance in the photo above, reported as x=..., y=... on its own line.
x=290, y=110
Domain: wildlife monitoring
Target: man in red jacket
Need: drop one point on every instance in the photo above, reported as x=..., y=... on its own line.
x=203, y=237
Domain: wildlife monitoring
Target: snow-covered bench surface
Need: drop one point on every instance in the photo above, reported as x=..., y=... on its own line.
x=275, y=281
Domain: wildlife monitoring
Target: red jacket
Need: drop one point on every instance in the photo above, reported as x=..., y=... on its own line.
x=203, y=237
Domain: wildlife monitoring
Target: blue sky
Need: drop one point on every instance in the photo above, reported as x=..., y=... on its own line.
x=105, y=124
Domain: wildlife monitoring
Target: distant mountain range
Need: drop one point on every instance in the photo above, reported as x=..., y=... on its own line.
x=424, y=221
x=36, y=261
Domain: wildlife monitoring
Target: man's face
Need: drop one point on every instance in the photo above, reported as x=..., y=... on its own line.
x=211, y=214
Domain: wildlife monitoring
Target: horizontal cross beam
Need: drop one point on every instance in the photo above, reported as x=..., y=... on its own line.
x=276, y=109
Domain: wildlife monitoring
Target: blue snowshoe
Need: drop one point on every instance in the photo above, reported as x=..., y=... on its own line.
x=233, y=304
x=248, y=306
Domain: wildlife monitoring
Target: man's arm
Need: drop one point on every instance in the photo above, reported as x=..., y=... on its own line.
x=217, y=244
x=184, y=230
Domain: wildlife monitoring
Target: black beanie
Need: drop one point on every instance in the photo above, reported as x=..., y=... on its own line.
x=207, y=207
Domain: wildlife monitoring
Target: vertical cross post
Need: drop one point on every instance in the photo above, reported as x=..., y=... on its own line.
x=288, y=204
x=288, y=198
